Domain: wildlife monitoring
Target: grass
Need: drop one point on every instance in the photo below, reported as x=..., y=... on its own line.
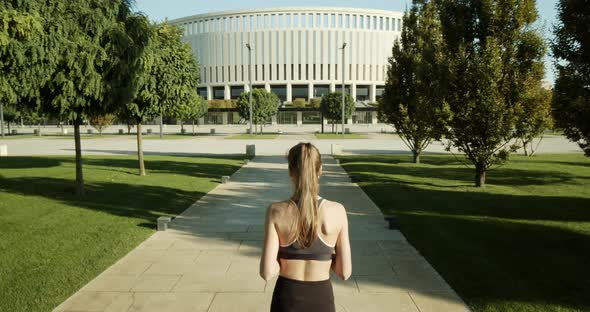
x=522, y=243
x=53, y=242
x=263, y=136
x=332, y=136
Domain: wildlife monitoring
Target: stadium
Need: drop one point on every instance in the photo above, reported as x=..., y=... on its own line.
x=299, y=54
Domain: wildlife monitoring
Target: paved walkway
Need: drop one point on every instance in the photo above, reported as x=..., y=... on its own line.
x=208, y=260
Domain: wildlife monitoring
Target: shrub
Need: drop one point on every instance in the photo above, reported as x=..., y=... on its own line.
x=315, y=102
x=299, y=102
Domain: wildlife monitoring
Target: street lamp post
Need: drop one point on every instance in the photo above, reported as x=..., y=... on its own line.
x=250, y=79
x=343, y=53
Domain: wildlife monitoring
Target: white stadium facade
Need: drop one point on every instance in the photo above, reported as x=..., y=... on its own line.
x=294, y=52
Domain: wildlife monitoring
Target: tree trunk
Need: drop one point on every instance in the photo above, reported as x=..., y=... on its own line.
x=128, y=127
x=140, y=150
x=322, y=121
x=79, y=174
x=480, y=175
x=9, y=132
x=193, y=127
x=416, y=154
x=332, y=126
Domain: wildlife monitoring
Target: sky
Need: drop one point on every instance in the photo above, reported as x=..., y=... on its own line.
x=158, y=10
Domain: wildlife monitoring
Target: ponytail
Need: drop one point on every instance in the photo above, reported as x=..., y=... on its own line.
x=304, y=166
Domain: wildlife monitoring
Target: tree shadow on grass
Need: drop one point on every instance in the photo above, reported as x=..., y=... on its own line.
x=145, y=202
x=499, y=251
x=491, y=262
x=21, y=162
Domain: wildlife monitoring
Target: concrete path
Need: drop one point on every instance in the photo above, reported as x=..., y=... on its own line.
x=208, y=260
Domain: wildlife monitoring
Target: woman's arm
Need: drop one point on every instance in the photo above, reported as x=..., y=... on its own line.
x=342, y=262
x=269, y=265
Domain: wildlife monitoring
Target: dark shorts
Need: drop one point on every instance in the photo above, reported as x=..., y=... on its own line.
x=292, y=295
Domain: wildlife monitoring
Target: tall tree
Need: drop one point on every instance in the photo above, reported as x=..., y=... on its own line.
x=264, y=105
x=23, y=61
x=168, y=77
x=413, y=99
x=331, y=107
x=571, y=49
x=495, y=56
x=92, y=52
x=534, y=117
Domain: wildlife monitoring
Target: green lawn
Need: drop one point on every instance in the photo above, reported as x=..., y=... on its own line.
x=53, y=242
x=331, y=136
x=263, y=136
x=520, y=244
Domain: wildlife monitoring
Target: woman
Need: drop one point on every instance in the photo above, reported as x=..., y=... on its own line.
x=305, y=237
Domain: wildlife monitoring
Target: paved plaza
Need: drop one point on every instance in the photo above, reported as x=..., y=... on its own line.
x=375, y=143
x=208, y=259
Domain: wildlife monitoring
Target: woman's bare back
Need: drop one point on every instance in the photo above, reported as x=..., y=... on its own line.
x=331, y=222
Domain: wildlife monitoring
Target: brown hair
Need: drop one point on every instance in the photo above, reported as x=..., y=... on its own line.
x=304, y=167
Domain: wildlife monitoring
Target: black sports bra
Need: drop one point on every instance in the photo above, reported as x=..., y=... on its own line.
x=318, y=250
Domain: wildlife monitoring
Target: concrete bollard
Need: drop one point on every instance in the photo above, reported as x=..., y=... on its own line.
x=89, y=131
x=3, y=150
x=346, y=130
x=336, y=149
x=212, y=131
x=121, y=131
x=251, y=150
x=163, y=223
x=224, y=179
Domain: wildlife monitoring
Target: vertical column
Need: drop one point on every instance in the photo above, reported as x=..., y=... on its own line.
x=372, y=91
x=332, y=87
x=353, y=91
x=267, y=87
x=299, y=118
x=226, y=92
x=224, y=118
x=310, y=90
x=374, y=117
x=289, y=93
x=209, y=93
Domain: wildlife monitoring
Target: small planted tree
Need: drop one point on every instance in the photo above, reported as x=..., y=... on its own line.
x=413, y=99
x=534, y=117
x=194, y=108
x=101, y=122
x=331, y=107
x=264, y=105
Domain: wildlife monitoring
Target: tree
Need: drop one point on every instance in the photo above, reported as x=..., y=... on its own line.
x=23, y=61
x=534, y=117
x=264, y=105
x=168, y=78
x=194, y=108
x=413, y=99
x=94, y=63
x=11, y=115
x=101, y=122
x=495, y=55
x=331, y=107
x=571, y=49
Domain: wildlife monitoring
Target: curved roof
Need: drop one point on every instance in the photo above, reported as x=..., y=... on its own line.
x=286, y=10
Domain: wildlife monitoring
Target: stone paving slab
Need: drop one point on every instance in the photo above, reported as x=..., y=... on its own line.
x=208, y=258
